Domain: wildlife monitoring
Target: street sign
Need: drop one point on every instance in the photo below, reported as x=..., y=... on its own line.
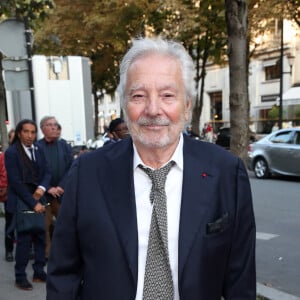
x=12, y=38
x=16, y=76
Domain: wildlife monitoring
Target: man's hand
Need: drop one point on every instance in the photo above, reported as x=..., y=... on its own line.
x=39, y=208
x=56, y=192
x=60, y=190
x=38, y=194
x=53, y=192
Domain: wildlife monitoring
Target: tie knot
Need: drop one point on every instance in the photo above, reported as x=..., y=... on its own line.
x=159, y=176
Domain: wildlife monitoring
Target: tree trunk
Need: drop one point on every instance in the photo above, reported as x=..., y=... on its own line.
x=3, y=129
x=236, y=21
x=197, y=109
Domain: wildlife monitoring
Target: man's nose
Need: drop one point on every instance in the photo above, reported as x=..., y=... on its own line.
x=153, y=105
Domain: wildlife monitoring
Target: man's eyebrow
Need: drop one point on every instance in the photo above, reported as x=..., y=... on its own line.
x=135, y=87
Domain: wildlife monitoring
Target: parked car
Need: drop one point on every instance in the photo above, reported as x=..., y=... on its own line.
x=276, y=153
x=224, y=136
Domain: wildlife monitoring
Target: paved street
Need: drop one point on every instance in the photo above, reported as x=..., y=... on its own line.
x=8, y=291
x=277, y=210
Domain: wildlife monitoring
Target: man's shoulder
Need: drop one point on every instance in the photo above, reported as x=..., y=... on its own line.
x=63, y=143
x=208, y=150
x=41, y=142
x=11, y=148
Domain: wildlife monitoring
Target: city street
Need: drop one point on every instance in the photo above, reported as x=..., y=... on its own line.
x=277, y=210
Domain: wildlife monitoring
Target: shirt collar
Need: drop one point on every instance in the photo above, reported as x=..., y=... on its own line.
x=27, y=148
x=177, y=156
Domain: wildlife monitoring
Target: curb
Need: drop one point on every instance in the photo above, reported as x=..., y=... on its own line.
x=273, y=294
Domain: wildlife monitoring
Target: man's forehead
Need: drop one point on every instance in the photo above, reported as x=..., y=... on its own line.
x=158, y=85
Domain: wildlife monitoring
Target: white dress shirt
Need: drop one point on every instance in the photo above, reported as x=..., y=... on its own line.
x=173, y=187
x=26, y=149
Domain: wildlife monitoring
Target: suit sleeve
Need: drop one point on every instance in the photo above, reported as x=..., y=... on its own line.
x=241, y=274
x=68, y=158
x=15, y=179
x=65, y=265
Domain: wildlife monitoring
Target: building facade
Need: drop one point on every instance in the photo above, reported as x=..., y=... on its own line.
x=265, y=78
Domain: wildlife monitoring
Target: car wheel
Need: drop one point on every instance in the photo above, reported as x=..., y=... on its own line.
x=261, y=169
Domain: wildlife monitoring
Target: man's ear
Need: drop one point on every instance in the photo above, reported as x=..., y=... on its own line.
x=187, y=110
x=114, y=135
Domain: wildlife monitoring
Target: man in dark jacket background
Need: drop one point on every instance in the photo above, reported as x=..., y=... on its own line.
x=28, y=179
x=59, y=156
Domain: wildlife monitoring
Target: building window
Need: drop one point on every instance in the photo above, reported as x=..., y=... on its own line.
x=272, y=72
x=216, y=109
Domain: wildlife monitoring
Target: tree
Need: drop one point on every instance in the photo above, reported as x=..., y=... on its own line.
x=294, y=10
x=101, y=30
x=205, y=38
x=32, y=12
x=236, y=20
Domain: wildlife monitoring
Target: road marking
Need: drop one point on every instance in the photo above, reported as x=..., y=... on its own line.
x=265, y=236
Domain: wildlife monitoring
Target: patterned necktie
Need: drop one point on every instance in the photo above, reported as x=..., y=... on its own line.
x=158, y=283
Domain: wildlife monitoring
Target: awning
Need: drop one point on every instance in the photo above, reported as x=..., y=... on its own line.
x=291, y=96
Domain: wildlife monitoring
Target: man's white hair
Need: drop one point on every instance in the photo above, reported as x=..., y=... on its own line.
x=145, y=46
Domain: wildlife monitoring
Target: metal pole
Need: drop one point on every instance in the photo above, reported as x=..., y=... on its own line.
x=30, y=72
x=281, y=77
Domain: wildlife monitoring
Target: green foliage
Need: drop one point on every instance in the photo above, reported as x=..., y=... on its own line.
x=273, y=113
x=297, y=112
x=103, y=30
x=26, y=9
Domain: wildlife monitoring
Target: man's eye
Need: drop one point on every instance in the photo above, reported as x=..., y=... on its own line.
x=137, y=97
x=168, y=96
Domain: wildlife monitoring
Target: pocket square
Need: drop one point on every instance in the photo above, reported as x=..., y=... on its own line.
x=219, y=225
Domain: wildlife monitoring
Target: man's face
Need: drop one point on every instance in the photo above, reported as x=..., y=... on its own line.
x=155, y=105
x=27, y=135
x=49, y=129
x=121, y=131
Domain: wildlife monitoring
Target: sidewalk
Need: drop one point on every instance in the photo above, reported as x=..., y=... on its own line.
x=8, y=291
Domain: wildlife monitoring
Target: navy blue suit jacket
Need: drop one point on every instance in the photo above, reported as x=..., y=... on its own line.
x=65, y=160
x=19, y=173
x=94, y=251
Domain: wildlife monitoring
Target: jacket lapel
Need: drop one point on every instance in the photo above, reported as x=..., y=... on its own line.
x=121, y=200
x=198, y=177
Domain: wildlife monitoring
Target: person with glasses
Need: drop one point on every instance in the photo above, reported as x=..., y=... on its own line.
x=59, y=156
